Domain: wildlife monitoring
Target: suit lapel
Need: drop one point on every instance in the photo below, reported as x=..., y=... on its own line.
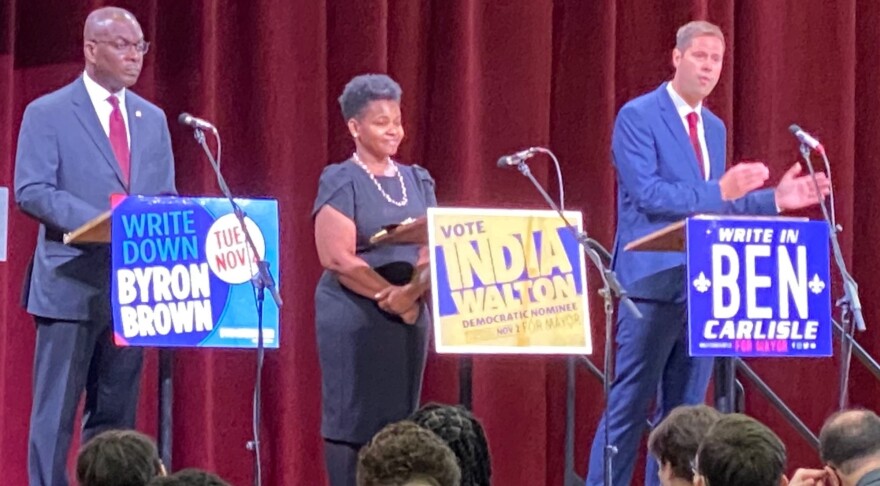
x=133, y=109
x=676, y=127
x=715, y=145
x=85, y=112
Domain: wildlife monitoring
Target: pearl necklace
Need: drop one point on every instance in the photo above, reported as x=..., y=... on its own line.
x=400, y=203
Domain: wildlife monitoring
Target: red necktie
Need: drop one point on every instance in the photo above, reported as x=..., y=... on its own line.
x=119, y=138
x=692, y=119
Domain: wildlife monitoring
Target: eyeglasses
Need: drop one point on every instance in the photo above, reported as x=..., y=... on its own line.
x=121, y=45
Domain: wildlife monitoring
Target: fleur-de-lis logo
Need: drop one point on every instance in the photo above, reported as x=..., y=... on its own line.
x=701, y=283
x=816, y=284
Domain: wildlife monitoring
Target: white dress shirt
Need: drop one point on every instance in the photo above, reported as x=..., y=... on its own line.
x=98, y=94
x=684, y=109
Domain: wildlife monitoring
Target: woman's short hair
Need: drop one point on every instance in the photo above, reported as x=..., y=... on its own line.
x=363, y=89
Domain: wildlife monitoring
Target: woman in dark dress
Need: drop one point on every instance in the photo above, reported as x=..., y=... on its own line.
x=372, y=322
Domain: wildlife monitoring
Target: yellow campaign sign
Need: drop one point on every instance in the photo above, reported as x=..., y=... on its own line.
x=508, y=281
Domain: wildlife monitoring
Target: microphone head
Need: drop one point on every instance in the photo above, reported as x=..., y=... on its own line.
x=184, y=118
x=794, y=129
x=504, y=161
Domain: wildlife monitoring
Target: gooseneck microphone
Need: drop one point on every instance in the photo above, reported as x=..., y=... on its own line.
x=515, y=159
x=806, y=139
x=191, y=121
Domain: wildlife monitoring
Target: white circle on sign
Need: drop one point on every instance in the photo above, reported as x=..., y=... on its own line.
x=229, y=256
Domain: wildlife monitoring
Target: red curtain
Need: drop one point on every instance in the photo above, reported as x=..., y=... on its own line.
x=480, y=79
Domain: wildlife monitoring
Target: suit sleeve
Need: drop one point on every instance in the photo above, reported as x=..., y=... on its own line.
x=635, y=156
x=36, y=176
x=761, y=202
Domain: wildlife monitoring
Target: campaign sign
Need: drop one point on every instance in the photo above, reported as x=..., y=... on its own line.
x=507, y=281
x=182, y=272
x=758, y=287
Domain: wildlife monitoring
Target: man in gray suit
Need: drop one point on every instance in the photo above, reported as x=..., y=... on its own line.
x=77, y=146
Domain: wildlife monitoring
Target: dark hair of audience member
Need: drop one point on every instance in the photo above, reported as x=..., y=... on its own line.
x=739, y=450
x=463, y=434
x=849, y=437
x=675, y=439
x=404, y=451
x=189, y=477
x=118, y=458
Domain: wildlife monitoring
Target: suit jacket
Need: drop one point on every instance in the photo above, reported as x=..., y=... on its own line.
x=65, y=172
x=871, y=478
x=659, y=182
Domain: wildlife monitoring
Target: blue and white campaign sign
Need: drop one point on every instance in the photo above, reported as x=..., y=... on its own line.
x=182, y=272
x=758, y=287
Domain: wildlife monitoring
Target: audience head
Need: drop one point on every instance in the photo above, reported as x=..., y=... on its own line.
x=189, y=477
x=463, y=434
x=674, y=442
x=738, y=450
x=118, y=458
x=849, y=442
x=405, y=454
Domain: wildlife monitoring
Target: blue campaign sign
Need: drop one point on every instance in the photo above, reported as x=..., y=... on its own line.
x=182, y=272
x=758, y=287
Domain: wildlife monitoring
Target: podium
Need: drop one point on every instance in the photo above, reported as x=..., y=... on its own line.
x=181, y=277
x=669, y=238
x=502, y=281
x=756, y=287
x=673, y=238
x=97, y=230
x=410, y=231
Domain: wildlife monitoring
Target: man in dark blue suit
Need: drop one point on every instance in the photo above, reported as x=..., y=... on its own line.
x=77, y=146
x=669, y=152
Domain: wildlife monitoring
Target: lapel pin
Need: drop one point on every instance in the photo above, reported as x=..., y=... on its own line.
x=137, y=113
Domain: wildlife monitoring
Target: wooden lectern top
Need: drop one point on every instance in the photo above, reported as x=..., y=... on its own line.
x=669, y=238
x=673, y=238
x=409, y=231
x=95, y=231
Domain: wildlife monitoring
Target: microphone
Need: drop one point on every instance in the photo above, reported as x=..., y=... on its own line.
x=517, y=158
x=806, y=139
x=191, y=121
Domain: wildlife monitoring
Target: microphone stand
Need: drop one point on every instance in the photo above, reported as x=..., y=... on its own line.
x=611, y=288
x=850, y=305
x=261, y=281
